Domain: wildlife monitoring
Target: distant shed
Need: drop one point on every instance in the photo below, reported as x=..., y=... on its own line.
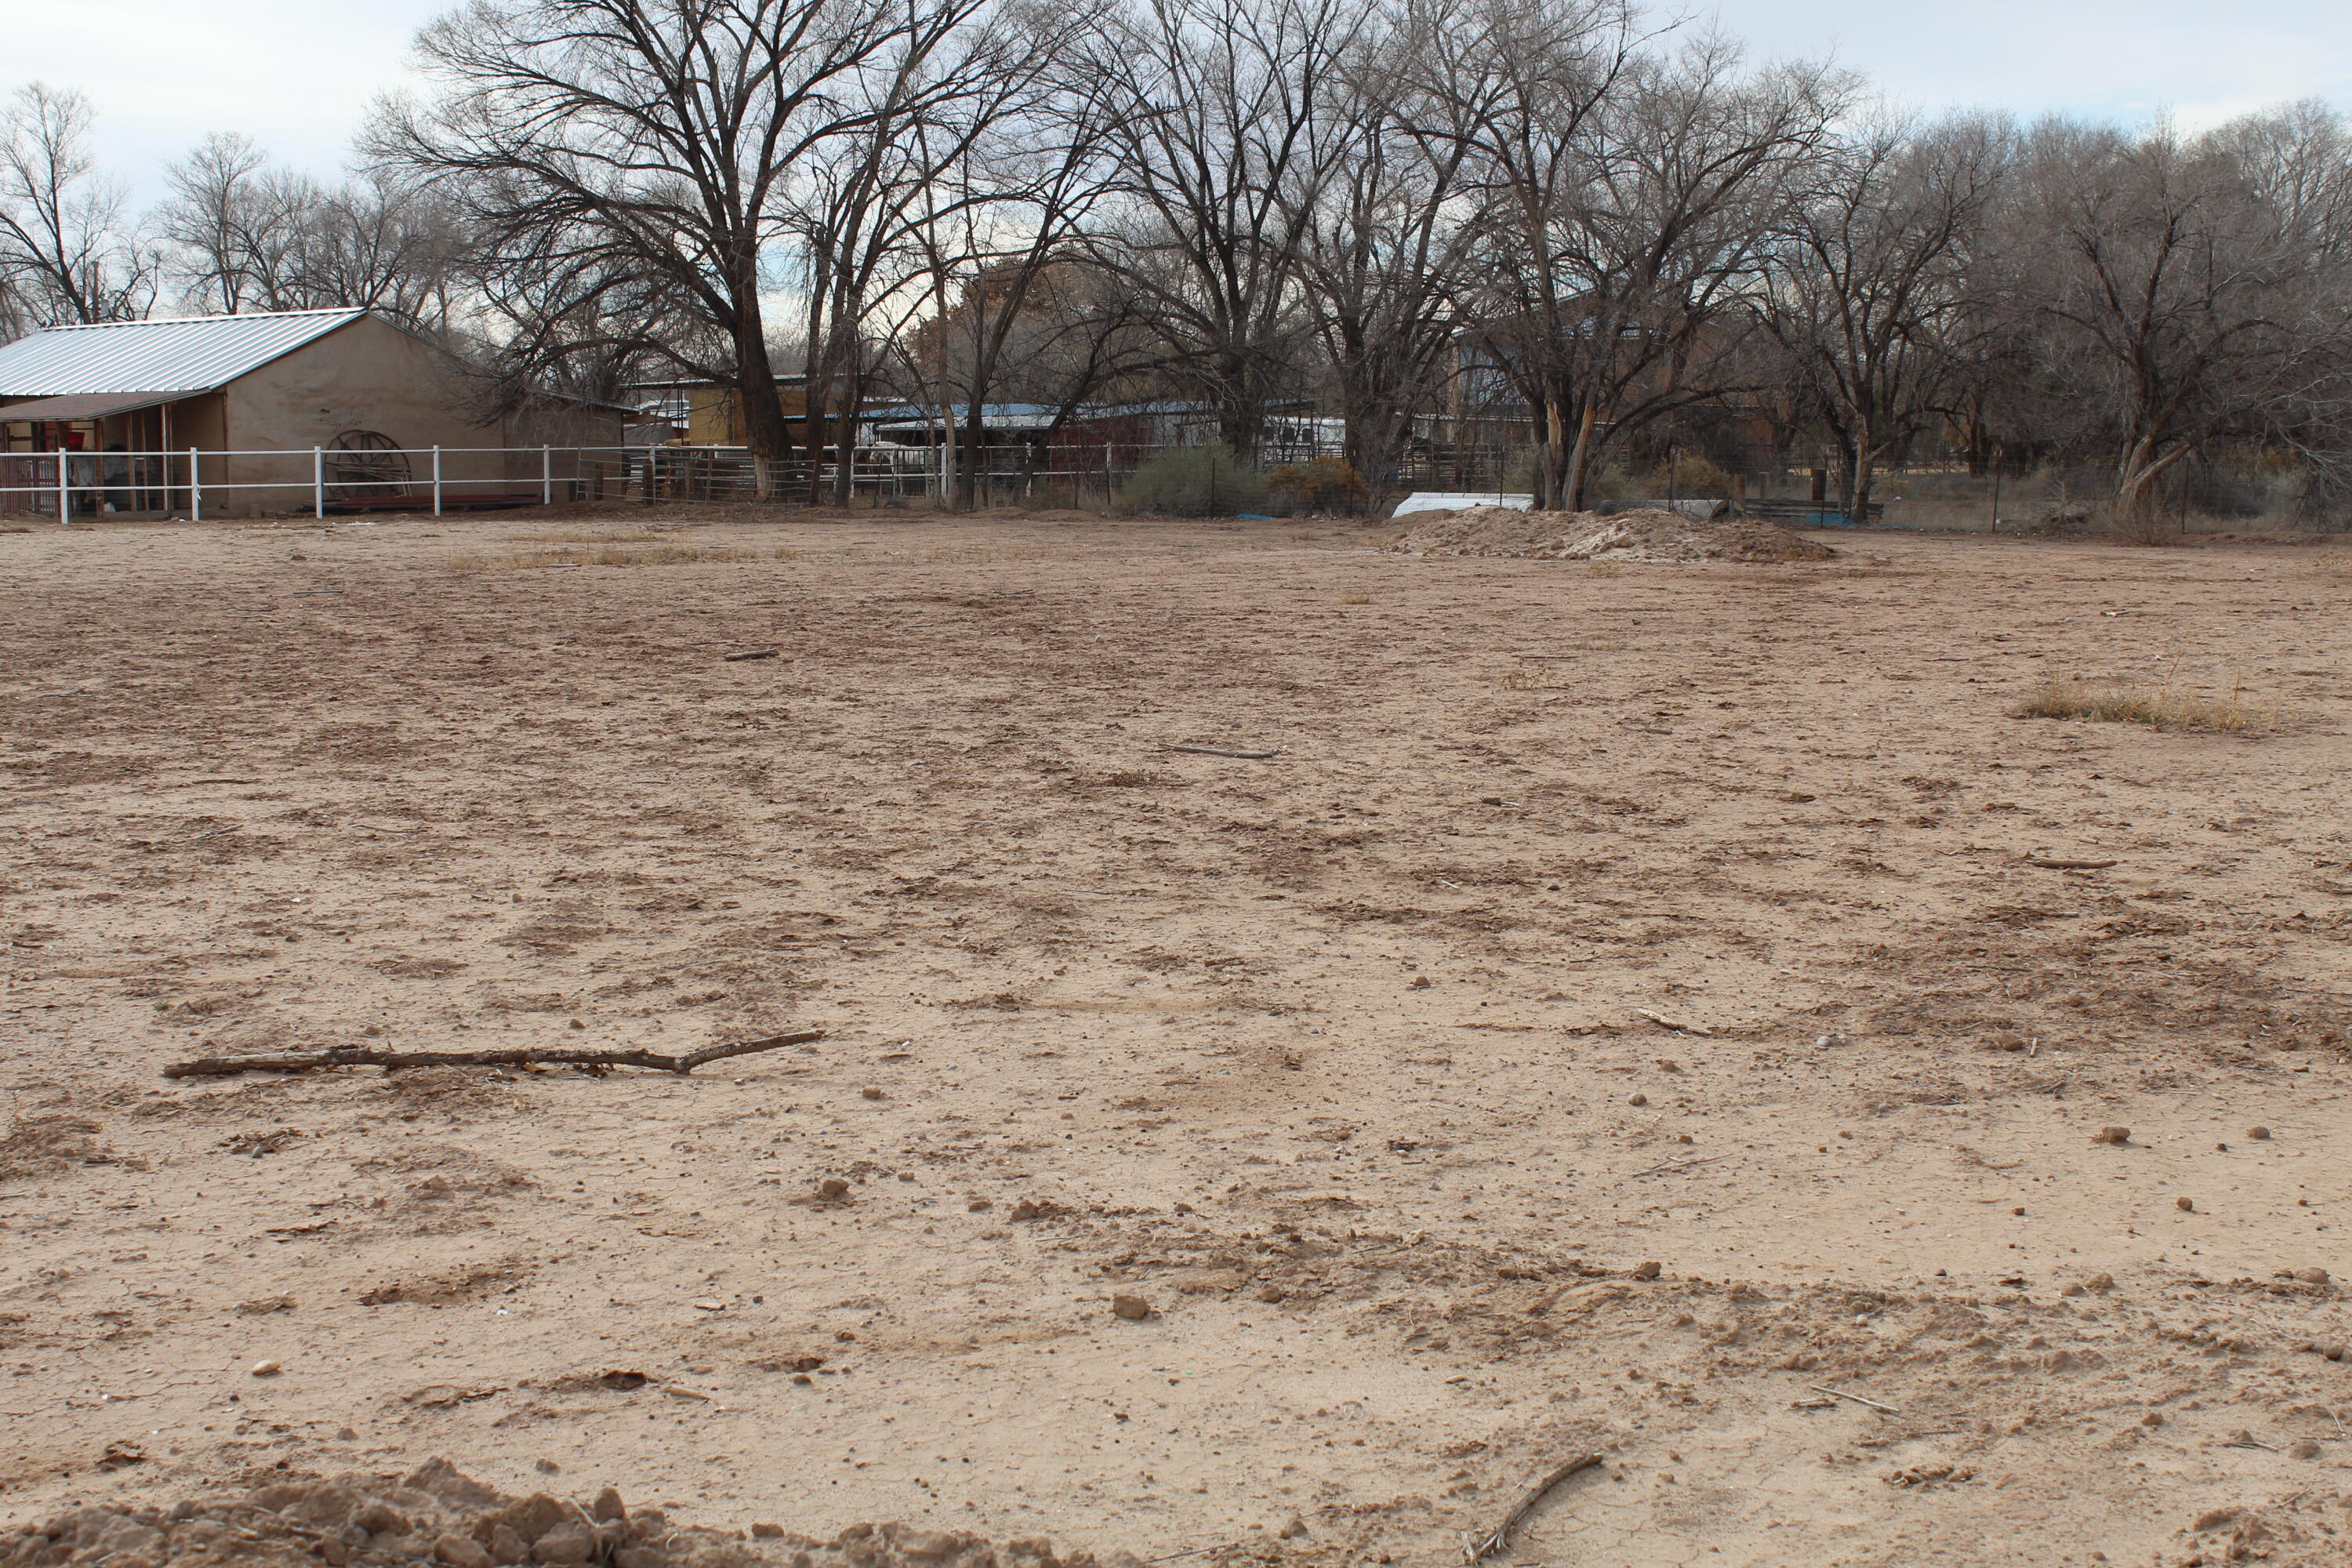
x=345, y=380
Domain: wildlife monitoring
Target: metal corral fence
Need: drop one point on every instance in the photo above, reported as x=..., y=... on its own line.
x=325, y=480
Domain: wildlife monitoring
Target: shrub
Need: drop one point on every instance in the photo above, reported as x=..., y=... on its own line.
x=1194, y=481
x=1327, y=486
x=1610, y=482
x=1689, y=475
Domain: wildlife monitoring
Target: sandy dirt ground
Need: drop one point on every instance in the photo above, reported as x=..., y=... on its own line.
x=1622, y=1011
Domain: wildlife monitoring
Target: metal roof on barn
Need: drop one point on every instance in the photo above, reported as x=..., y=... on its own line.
x=186, y=355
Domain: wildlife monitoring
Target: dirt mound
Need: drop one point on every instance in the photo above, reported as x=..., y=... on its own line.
x=1587, y=536
x=440, y=1516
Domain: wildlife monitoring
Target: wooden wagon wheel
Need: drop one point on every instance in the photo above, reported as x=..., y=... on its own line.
x=365, y=466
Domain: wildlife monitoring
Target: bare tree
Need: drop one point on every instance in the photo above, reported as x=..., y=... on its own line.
x=66, y=253
x=1623, y=254
x=238, y=229
x=2186, y=306
x=1515, y=86
x=1382, y=249
x=1003, y=238
x=865, y=220
x=1223, y=145
x=652, y=136
x=1870, y=292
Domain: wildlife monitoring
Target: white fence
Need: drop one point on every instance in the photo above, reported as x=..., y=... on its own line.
x=197, y=483
x=323, y=480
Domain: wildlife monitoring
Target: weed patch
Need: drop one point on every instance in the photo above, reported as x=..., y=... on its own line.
x=2162, y=708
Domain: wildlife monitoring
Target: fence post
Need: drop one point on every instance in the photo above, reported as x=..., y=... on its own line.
x=437, y=481
x=65, y=490
x=318, y=484
x=546, y=476
x=195, y=489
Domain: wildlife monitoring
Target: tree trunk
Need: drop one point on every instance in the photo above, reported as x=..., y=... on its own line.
x=764, y=431
x=2136, y=476
x=1549, y=451
x=845, y=470
x=975, y=442
x=1579, y=462
x=1854, y=492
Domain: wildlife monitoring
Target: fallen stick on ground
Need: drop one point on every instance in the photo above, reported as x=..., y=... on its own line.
x=369, y=1057
x=1225, y=752
x=750, y=653
x=1495, y=1539
x=191, y=783
x=2046, y=863
x=1858, y=1399
x=1661, y=1018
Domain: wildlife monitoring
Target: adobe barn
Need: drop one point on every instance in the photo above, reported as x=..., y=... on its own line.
x=342, y=406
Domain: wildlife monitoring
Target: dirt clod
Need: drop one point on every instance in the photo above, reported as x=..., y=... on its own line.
x=1134, y=1308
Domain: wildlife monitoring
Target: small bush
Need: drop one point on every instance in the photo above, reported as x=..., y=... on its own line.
x=1194, y=481
x=1327, y=487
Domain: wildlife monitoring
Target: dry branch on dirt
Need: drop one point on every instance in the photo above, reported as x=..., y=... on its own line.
x=392, y=1061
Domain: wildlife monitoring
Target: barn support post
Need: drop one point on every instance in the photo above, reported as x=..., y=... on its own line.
x=437, y=481
x=196, y=490
x=317, y=483
x=547, y=476
x=65, y=486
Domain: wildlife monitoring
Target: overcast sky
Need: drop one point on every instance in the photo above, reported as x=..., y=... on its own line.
x=297, y=75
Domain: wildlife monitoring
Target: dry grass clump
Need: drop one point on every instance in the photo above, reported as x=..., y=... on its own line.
x=609, y=556
x=2161, y=708
x=2335, y=563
